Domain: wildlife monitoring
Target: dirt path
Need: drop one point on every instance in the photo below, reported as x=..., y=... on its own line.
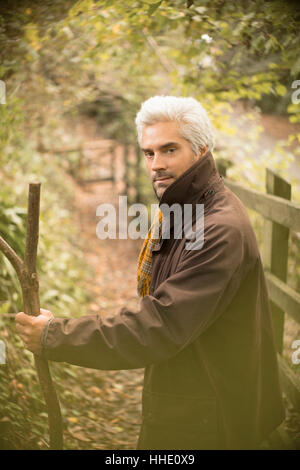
x=104, y=411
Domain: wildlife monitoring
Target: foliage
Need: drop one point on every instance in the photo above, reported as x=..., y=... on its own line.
x=61, y=60
x=127, y=51
x=62, y=274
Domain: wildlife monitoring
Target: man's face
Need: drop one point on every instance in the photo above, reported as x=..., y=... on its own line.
x=167, y=154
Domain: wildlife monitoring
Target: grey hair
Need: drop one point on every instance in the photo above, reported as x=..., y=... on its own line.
x=190, y=115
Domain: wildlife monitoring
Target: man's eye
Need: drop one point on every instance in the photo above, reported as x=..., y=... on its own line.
x=171, y=150
x=148, y=154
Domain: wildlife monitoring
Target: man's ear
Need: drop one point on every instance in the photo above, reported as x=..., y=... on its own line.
x=201, y=152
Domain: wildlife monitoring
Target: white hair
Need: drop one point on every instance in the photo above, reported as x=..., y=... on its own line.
x=194, y=124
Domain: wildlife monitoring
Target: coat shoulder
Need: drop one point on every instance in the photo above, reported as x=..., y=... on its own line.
x=226, y=219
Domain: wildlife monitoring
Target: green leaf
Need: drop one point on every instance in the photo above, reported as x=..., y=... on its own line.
x=280, y=89
x=154, y=7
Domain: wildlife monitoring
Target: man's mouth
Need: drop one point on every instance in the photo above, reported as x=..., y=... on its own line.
x=162, y=179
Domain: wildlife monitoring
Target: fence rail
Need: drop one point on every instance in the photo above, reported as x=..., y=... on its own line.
x=270, y=206
x=284, y=296
x=131, y=164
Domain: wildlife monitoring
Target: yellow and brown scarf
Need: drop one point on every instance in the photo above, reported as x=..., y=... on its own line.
x=145, y=257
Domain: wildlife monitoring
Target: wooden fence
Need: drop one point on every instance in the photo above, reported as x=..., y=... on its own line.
x=90, y=158
x=280, y=217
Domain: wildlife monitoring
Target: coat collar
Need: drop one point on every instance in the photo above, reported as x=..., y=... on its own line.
x=193, y=182
x=198, y=182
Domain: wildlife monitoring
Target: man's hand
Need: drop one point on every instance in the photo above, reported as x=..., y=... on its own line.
x=31, y=328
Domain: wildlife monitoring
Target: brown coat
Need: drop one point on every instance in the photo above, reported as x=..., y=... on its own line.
x=204, y=334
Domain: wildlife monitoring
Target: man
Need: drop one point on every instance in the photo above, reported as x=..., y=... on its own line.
x=203, y=331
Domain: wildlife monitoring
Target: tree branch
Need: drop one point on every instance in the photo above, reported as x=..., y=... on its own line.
x=153, y=44
x=32, y=233
x=28, y=278
x=12, y=256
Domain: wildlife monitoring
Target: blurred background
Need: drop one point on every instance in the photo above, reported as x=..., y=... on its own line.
x=73, y=76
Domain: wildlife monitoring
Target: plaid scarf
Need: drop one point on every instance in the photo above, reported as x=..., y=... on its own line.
x=145, y=257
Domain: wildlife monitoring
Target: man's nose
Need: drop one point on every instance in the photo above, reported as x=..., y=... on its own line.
x=158, y=162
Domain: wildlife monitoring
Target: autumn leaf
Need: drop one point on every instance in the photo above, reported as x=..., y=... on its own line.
x=79, y=436
x=72, y=419
x=95, y=390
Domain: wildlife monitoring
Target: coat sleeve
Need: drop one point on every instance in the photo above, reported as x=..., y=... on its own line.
x=180, y=310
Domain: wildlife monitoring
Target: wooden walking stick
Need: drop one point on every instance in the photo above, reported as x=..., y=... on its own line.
x=27, y=275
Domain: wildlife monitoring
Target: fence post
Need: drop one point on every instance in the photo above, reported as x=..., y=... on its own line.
x=276, y=238
x=112, y=151
x=80, y=165
x=126, y=169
